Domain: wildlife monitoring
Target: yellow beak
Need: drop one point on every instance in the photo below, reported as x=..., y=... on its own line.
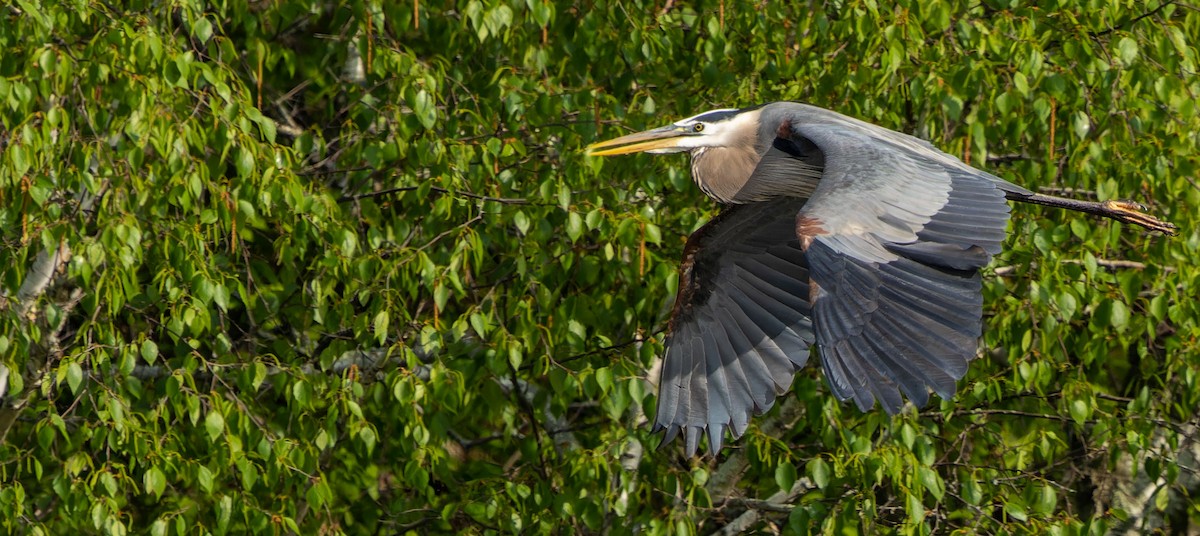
x=651, y=140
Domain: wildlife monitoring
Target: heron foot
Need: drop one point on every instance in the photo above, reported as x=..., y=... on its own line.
x=1132, y=212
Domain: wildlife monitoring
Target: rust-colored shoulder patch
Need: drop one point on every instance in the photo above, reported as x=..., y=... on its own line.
x=808, y=228
x=814, y=291
x=785, y=129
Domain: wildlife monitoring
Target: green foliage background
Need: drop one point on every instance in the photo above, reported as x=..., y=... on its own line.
x=343, y=268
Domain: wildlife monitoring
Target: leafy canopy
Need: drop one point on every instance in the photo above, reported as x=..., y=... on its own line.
x=322, y=268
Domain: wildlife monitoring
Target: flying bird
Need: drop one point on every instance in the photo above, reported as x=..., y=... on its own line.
x=860, y=240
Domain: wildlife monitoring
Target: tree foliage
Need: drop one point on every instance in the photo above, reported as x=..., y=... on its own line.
x=300, y=266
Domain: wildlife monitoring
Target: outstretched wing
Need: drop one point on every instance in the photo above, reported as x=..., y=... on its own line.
x=740, y=328
x=894, y=236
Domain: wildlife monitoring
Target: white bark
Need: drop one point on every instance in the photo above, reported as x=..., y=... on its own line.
x=39, y=277
x=366, y=360
x=556, y=426
x=1135, y=492
x=781, y=501
x=3, y=381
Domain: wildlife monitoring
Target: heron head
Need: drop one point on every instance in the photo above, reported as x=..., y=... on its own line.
x=717, y=128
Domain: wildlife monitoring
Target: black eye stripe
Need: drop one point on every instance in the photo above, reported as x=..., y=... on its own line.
x=716, y=116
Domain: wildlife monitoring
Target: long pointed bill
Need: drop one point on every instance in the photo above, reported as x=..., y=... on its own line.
x=664, y=139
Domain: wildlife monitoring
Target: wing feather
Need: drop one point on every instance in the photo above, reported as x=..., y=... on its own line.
x=753, y=358
x=741, y=327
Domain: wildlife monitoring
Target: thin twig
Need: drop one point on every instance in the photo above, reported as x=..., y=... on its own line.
x=439, y=190
x=1111, y=264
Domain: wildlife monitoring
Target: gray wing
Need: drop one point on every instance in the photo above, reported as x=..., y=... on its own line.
x=894, y=236
x=740, y=328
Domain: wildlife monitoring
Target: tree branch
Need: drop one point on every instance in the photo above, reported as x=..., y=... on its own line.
x=366, y=360
x=1135, y=489
x=38, y=368
x=1111, y=264
x=439, y=190
x=556, y=427
x=39, y=277
x=726, y=477
x=780, y=502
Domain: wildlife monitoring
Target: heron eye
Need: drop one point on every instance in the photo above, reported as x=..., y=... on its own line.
x=698, y=127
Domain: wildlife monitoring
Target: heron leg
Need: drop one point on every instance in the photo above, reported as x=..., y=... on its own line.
x=1122, y=211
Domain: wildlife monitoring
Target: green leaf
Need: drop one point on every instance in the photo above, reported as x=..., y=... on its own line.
x=1016, y=510
x=149, y=351
x=574, y=226
x=367, y=436
x=515, y=356
x=202, y=29
x=931, y=482
x=214, y=424
x=953, y=107
x=604, y=379
x=348, y=242
x=785, y=475
x=20, y=159
x=380, y=326
x=441, y=294
x=542, y=11
x=224, y=507
x=1080, y=411
x=653, y=234
x=244, y=162
x=916, y=509
x=594, y=219
x=37, y=14
x=1162, y=498
x=1056, y=86
x=1047, y=500
x=971, y=491
x=40, y=191
x=1081, y=124
x=204, y=477
x=1021, y=83
x=302, y=393
x=208, y=216
x=1127, y=50
x=74, y=376
x=521, y=221
x=820, y=472
x=564, y=197
x=1067, y=305
x=109, y=483
x=648, y=106
x=424, y=109
x=47, y=60
x=221, y=297
x=154, y=481
x=1119, y=315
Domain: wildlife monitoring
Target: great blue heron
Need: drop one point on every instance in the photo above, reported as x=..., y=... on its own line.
x=862, y=240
